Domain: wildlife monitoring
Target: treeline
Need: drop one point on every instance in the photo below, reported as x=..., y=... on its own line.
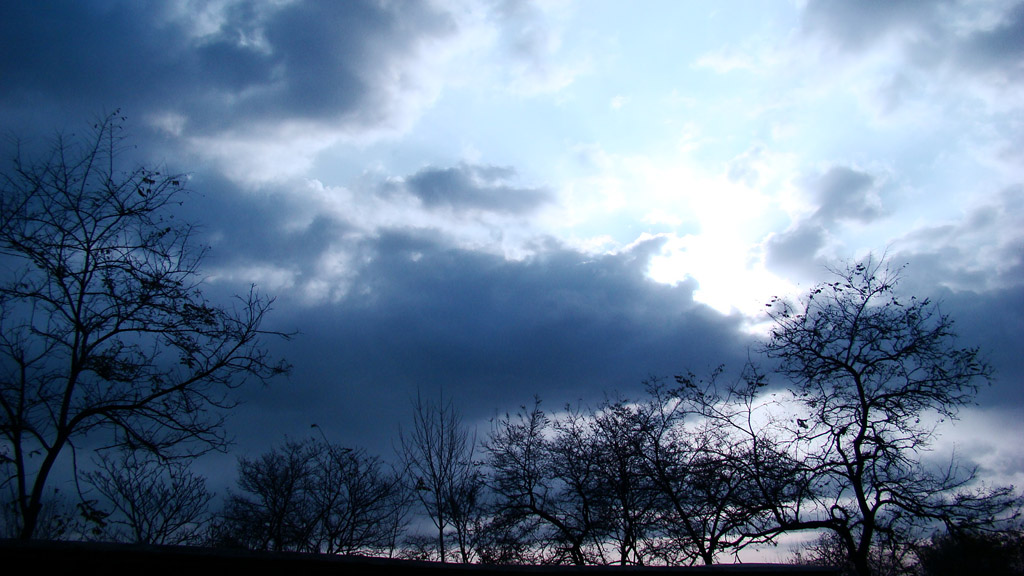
x=686, y=474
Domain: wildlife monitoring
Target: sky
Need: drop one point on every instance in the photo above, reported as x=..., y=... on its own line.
x=496, y=200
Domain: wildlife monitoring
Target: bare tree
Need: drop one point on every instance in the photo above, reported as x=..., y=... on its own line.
x=871, y=372
x=630, y=482
x=62, y=516
x=526, y=510
x=274, y=510
x=506, y=538
x=438, y=454
x=630, y=500
x=314, y=496
x=156, y=502
x=361, y=507
x=103, y=326
x=708, y=496
x=551, y=488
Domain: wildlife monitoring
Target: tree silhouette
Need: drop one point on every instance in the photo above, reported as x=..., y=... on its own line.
x=573, y=489
x=703, y=468
x=702, y=471
x=275, y=509
x=438, y=454
x=361, y=505
x=870, y=374
x=973, y=552
x=152, y=502
x=314, y=496
x=528, y=493
x=631, y=498
x=103, y=326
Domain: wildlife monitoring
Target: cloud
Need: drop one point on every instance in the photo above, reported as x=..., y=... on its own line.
x=59, y=49
x=978, y=438
x=529, y=36
x=795, y=253
x=838, y=196
x=997, y=48
x=989, y=320
x=309, y=238
x=263, y=88
x=489, y=332
x=746, y=166
x=385, y=307
x=855, y=25
x=257, y=61
x=752, y=55
x=980, y=251
x=243, y=83
x=979, y=39
x=331, y=59
x=468, y=187
x=845, y=193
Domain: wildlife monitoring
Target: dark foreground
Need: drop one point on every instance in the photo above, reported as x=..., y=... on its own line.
x=80, y=558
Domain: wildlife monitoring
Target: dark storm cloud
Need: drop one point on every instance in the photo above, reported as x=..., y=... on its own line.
x=989, y=321
x=489, y=332
x=342, y=56
x=95, y=51
x=306, y=60
x=468, y=187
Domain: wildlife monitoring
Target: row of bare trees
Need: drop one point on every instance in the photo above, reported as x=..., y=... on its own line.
x=630, y=482
x=314, y=496
x=625, y=482
x=303, y=496
x=698, y=469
